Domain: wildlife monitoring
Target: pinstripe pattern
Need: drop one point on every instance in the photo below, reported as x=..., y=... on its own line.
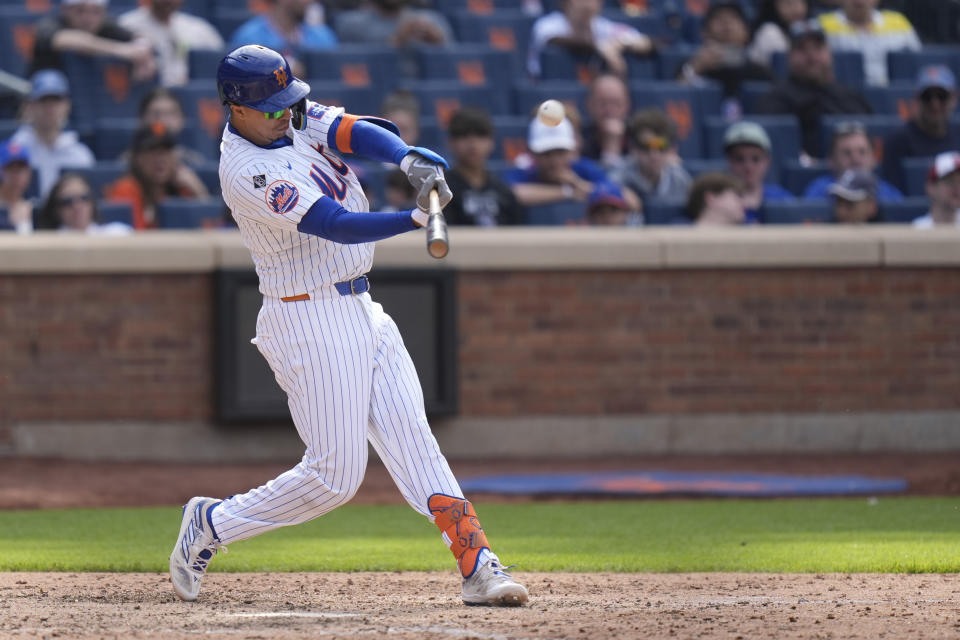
x=340, y=359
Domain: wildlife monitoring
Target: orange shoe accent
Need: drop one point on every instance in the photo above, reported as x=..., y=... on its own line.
x=461, y=530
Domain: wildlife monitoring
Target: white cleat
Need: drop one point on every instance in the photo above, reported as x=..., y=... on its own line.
x=491, y=585
x=195, y=547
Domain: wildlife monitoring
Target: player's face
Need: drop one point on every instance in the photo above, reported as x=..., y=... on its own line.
x=749, y=163
x=75, y=205
x=848, y=212
x=256, y=127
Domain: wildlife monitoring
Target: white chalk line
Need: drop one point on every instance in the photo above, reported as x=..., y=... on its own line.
x=292, y=614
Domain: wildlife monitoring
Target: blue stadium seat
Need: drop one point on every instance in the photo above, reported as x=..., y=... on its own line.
x=359, y=66
x=904, y=65
x=798, y=212
x=201, y=106
x=905, y=211
x=560, y=213
x=894, y=99
x=751, y=92
x=112, y=137
x=686, y=106
x=114, y=212
x=509, y=137
x=657, y=211
x=847, y=67
x=433, y=135
x=915, y=172
x=101, y=174
x=670, y=59
x=108, y=90
x=175, y=213
x=696, y=166
x=357, y=100
x=504, y=30
x=8, y=127
x=795, y=177
x=469, y=64
x=203, y=63
x=528, y=95
x=209, y=174
x=651, y=23
x=17, y=27
x=784, y=132
x=440, y=98
x=474, y=7
x=557, y=63
x=227, y=19
x=878, y=128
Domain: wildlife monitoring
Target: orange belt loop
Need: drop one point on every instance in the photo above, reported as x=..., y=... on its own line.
x=302, y=296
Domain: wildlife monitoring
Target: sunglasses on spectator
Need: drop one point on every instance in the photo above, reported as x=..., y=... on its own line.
x=935, y=94
x=66, y=201
x=653, y=143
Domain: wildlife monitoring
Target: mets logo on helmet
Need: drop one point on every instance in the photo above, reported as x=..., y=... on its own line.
x=281, y=76
x=282, y=197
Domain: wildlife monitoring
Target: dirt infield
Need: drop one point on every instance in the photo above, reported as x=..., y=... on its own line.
x=412, y=606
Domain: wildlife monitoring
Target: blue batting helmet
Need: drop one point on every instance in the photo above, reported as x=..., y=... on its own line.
x=260, y=78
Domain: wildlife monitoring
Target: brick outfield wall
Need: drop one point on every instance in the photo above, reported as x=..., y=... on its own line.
x=139, y=347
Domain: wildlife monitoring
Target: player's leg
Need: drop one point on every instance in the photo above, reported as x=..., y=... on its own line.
x=402, y=438
x=322, y=355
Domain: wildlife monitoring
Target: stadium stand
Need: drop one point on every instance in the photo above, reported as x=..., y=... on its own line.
x=904, y=65
x=905, y=211
x=114, y=212
x=847, y=67
x=878, y=128
x=794, y=177
x=190, y=214
x=556, y=214
x=505, y=30
x=664, y=212
x=358, y=66
x=470, y=65
x=915, y=173
x=798, y=212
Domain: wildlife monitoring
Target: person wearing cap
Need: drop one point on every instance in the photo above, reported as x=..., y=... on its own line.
x=943, y=189
x=155, y=174
x=723, y=56
x=43, y=133
x=557, y=173
x=859, y=26
x=653, y=169
x=16, y=211
x=284, y=27
x=929, y=130
x=579, y=26
x=747, y=148
x=716, y=200
x=606, y=206
x=810, y=89
x=480, y=198
x=172, y=34
x=771, y=28
x=84, y=27
x=854, y=196
x=851, y=149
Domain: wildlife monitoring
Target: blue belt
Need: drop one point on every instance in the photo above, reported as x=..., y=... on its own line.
x=345, y=288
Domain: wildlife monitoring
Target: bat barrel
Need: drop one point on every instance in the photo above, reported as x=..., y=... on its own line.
x=437, y=242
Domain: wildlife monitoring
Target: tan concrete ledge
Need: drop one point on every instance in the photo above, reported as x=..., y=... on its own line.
x=524, y=248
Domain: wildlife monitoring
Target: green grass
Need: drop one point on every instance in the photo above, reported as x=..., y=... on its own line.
x=831, y=535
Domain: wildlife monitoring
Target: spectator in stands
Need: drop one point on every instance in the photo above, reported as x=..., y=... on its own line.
x=851, y=149
x=608, y=106
x=557, y=174
x=402, y=108
x=810, y=90
x=16, y=210
x=859, y=26
x=155, y=174
x=771, y=28
x=284, y=28
x=747, y=148
x=929, y=130
x=855, y=197
x=606, y=206
x=72, y=206
x=173, y=34
x=162, y=106
x=579, y=27
x=479, y=197
x=46, y=113
x=393, y=22
x=84, y=27
x=653, y=168
x=943, y=189
x=723, y=56
x=715, y=200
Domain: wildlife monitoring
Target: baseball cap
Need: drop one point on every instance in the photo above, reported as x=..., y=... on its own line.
x=11, y=152
x=943, y=165
x=803, y=29
x=935, y=76
x=606, y=193
x=542, y=137
x=49, y=82
x=854, y=185
x=152, y=137
x=746, y=133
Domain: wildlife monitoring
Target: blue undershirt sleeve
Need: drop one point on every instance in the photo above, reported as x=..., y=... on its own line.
x=330, y=221
x=370, y=141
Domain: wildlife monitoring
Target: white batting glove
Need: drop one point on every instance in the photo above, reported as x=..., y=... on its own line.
x=426, y=174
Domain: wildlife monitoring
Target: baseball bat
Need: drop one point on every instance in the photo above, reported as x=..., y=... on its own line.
x=437, y=243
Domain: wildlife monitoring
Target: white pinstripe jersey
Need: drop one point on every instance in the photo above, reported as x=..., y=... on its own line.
x=268, y=191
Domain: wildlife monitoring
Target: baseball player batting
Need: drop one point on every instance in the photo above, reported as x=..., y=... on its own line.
x=336, y=354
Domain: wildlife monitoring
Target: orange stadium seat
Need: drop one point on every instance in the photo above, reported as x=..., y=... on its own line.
x=355, y=66
x=17, y=26
x=470, y=65
x=504, y=30
x=201, y=106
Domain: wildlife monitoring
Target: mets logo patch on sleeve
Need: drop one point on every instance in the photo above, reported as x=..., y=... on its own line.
x=282, y=196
